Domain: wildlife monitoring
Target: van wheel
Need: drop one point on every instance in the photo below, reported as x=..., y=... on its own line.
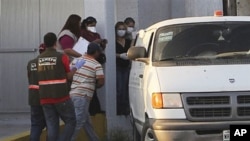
x=147, y=133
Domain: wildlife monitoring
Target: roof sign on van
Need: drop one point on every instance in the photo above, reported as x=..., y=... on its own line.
x=218, y=13
x=165, y=37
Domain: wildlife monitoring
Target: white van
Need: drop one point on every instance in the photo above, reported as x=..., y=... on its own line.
x=190, y=79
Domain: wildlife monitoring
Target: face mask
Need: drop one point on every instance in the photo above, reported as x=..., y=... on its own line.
x=130, y=29
x=121, y=33
x=92, y=29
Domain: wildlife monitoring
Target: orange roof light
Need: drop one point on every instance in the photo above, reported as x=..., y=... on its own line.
x=218, y=13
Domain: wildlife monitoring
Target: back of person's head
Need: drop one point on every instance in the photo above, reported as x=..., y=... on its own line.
x=73, y=24
x=90, y=20
x=129, y=20
x=93, y=48
x=50, y=40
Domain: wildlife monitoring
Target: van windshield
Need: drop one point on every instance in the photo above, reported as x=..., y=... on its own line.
x=217, y=40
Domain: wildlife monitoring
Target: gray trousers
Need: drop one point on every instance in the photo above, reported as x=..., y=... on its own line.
x=81, y=105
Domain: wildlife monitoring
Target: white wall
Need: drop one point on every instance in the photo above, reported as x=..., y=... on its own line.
x=54, y=13
x=202, y=7
x=152, y=11
x=127, y=8
x=106, y=21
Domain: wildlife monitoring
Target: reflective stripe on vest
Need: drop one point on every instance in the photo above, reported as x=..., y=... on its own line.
x=49, y=82
x=33, y=87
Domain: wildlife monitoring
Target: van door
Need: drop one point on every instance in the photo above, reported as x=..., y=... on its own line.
x=136, y=85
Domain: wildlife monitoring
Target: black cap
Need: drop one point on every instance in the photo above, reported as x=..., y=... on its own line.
x=90, y=20
x=93, y=47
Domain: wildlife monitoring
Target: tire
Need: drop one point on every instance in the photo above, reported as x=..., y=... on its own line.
x=147, y=133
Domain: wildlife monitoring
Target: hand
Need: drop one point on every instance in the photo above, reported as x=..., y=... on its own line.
x=79, y=63
x=124, y=56
x=98, y=41
x=104, y=41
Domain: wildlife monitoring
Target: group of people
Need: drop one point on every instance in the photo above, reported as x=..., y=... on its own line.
x=63, y=82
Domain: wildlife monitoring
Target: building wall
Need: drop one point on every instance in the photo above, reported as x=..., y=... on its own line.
x=150, y=11
x=23, y=25
x=127, y=8
x=243, y=7
x=18, y=37
x=202, y=7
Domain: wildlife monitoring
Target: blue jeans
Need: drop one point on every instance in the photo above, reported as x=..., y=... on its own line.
x=65, y=111
x=38, y=122
x=83, y=120
x=122, y=97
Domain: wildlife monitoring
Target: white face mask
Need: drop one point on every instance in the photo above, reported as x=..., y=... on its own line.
x=121, y=33
x=130, y=29
x=92, y=29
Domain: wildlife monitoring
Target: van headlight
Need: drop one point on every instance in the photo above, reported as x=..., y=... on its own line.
x=166, y=100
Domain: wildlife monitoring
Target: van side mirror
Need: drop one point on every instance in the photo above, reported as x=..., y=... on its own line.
x=137, y=53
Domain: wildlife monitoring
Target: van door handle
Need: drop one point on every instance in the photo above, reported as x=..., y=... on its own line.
x=141, y=75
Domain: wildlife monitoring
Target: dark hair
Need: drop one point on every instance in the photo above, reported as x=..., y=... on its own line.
x=90, y=20
x=129, y=20
x=120, y=23
x=93, y=48
x=83, y=24
x=49, y=39
x=72, y=24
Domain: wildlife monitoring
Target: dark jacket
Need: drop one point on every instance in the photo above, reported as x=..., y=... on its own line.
x=52, y=76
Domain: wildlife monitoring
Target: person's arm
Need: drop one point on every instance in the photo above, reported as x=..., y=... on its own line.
x=100, y=82
x=71, y=52
x=67, y=44
x=70, y=73
x=99, y=76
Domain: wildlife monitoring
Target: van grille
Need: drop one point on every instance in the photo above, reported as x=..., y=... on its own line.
x=243, y=111
x=210, y=112
x=217, y=106
x=243, y=99
x=208, y=100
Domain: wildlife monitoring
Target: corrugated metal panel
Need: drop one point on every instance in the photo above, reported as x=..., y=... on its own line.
x=19, y=23
x=13, y=95
x=23, y=24
x=54, y=13
x=18, y=37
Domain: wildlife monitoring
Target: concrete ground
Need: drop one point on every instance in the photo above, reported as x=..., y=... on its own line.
x=12, y=124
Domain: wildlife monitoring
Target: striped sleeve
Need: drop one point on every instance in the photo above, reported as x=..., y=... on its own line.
x=99, y=71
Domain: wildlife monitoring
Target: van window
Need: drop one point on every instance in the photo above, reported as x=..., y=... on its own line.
x=217, y=40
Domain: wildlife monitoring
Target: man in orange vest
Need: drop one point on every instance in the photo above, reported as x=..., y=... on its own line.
x=53, y=74
x=38, y=122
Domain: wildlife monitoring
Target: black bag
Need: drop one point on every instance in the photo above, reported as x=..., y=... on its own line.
x=102, y=58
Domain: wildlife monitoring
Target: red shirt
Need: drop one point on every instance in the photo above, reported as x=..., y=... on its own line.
x=90, y=36
x=65, y=60
x=66, y=42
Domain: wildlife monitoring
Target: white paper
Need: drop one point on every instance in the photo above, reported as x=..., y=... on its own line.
x=81, y=46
